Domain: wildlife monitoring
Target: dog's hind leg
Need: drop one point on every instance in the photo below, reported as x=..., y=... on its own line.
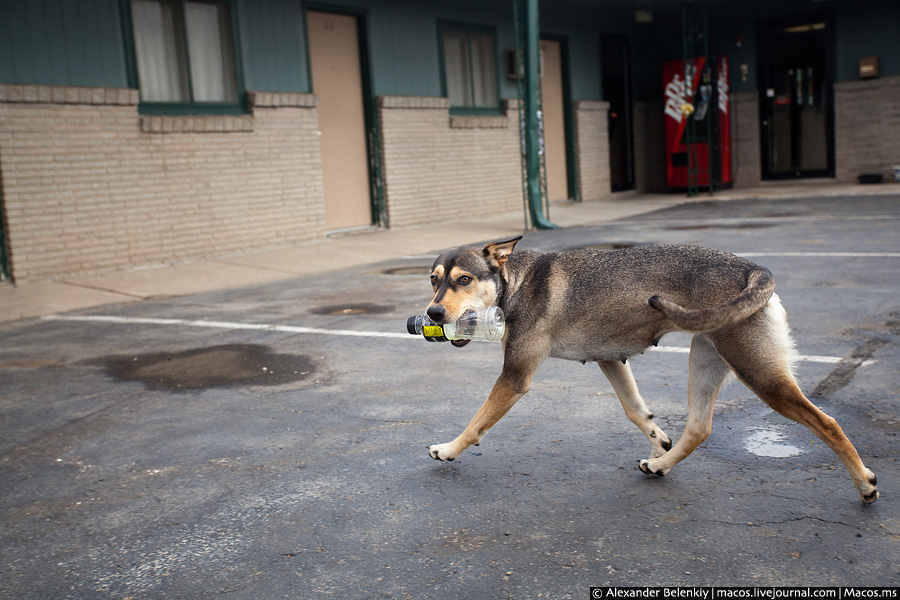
x=706, y=374
x=759, y=353
x=783, y=395
x=622, y=380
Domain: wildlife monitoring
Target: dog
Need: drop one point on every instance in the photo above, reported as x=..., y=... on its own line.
x=607, y=306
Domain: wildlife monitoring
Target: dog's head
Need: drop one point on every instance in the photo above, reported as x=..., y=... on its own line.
x=467, y=278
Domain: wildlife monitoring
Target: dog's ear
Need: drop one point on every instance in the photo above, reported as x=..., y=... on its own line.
x=496, y=253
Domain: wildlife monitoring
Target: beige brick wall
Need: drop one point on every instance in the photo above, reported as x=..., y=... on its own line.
x=91, y=186
x=867, y=127
x=592, y=149
x=439, y=167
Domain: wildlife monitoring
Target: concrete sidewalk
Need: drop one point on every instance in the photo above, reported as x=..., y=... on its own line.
x=28, y=300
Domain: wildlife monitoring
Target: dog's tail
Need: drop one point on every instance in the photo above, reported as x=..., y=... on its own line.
x=760, y=287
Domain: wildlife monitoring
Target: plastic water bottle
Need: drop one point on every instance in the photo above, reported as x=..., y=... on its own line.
x=483, y=324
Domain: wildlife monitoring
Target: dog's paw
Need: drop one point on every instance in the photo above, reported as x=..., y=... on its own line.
x=869, y=493
x=644, y=466
x=441, y=452
x=660, y=443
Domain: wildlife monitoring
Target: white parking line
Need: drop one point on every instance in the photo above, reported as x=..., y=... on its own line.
x=226, y=325
x=335, y=332
x=825, y=254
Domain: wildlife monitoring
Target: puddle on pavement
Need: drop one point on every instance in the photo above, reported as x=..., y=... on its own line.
x=354, y=308
x=231, y=365
x=28, y=363
x=722, y=226
x=769, y=440
x=607, y=246
x=409, y=270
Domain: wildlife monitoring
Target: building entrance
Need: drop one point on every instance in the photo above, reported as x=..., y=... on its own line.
x=796, y=107
x=338, y=81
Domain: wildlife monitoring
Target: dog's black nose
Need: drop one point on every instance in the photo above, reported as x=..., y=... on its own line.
x=436, y=313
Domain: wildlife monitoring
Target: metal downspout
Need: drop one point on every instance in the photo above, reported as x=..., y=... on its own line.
x=532, y=57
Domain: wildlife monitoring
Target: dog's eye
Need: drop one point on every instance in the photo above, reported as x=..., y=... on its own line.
x=434, y=280
x=464, y=280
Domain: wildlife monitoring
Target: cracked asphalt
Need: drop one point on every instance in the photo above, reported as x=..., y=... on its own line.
x=259, y=454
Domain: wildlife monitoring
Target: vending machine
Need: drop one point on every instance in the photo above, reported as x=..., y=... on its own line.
x=697, y=111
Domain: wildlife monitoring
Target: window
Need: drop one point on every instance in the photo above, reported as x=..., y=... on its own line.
x=185, y=56
x=470, y=68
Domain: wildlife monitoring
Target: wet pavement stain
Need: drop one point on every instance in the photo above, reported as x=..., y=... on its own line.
x=353, y=308
x=231, y=365
x=409, y=270
x=722, y=226
x=609, y=246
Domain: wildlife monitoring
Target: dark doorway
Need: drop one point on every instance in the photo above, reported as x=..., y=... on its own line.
x=616, y=65
x=4, y=264
x=796, y=97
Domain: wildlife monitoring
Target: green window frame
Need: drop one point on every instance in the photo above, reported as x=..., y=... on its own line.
x=470, y=74
x=184, y=56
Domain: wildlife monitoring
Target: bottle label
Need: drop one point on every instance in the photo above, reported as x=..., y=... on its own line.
x=433, y=331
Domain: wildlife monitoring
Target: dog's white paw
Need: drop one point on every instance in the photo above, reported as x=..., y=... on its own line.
x=646, y=467
x=869, y=493
x=441, y=452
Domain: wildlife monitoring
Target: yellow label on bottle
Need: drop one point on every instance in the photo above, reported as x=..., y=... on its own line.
x=433, y=331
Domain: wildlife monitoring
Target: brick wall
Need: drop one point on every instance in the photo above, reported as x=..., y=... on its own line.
x=91, y=186
x=746, y=163
x=592, y=149
x=867, y=127
x=437, y=166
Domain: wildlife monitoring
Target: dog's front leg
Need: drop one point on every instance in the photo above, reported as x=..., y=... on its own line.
x=622, y=380
x=510, y=386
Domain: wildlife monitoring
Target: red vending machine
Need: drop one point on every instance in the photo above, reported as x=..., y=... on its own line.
x=698, y=95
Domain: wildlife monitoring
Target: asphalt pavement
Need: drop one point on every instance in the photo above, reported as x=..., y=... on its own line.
x=270, y=441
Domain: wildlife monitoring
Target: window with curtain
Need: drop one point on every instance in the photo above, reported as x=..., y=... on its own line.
x=184, y=52
x=470, y=68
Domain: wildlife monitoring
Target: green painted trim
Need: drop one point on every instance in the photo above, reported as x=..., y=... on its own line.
x=128, y=44
x=443, y=26
x=238, y=56
x=186, y=108
x=198, y=108
x=304, y=23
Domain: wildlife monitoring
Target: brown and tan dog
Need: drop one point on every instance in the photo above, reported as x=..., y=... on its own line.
x=605, y=306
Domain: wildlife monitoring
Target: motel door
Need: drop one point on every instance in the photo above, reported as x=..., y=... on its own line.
x=796, y=104
x=337, y=80
x=554, y=121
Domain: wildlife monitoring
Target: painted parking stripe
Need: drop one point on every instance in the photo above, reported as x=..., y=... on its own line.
x=333, y=332
x=826, y=254
x=226, y=325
